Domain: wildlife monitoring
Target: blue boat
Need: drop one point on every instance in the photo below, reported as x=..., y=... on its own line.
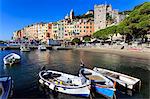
x=100, y=83
x=5, y=87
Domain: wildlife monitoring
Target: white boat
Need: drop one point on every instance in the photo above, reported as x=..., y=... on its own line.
x=122, y=79
x=11, y=59
x=24, y=48
x=100, y=83
x=42, y=47
x=6, y=85
x=65, y=83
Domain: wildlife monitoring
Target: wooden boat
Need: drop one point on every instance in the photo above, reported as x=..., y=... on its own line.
x=65, y=83
x=100, y=83
x=11, y=59
x=122, y=79
x=42, y=47
x=24, y=48
x=6, y=84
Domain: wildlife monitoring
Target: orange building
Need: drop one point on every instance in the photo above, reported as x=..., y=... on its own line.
x=84, y=27
x=49, y=31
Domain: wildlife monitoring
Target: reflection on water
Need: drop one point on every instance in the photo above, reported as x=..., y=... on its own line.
x=25, y=74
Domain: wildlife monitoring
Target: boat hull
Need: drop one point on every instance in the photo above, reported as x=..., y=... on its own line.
x=106, y=89
x=6, y=87
x=14, y=62
x=82, y=92
x=123, y=80
x=24, y=48
x=65, y=83
x=107, y=92
x=42, y=48
x=11, y=59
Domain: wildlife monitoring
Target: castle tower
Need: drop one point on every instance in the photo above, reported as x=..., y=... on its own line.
x=100, y=17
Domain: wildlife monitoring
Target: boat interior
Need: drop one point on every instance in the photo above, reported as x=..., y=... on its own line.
x=93, y=77
x=118, y=76
x=61, y=79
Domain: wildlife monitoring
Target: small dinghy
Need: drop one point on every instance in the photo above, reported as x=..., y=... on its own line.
x=122, y=79
x=65, y=83
x=25, y=48
x=42, y=47
x=100, y=83
x=11, y=59
x=5, y=87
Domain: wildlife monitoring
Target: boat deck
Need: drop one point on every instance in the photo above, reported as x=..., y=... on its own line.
x=61, y=82
x=94, y=77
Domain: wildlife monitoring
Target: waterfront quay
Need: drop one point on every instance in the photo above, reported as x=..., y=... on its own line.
x=18, y=47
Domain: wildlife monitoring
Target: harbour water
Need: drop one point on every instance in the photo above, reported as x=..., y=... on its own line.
x=25, y=74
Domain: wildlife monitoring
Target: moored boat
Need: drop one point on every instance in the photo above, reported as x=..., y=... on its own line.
x=24, y=48
x=11, y=59
x=65, y=83
x=100, y=83
x=6, y=84
x=122, y=79
x=42, y=47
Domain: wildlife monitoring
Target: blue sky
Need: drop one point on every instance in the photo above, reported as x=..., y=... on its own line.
x=15, y=14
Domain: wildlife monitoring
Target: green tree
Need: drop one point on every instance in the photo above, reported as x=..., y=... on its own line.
x=111, y=31
x=87, y=38
x=76, y=41
x=137, y=23
x=101, y=34
x=106, y=33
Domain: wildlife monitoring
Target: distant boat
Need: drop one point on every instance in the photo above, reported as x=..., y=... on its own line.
x=65, y=83
x=25, y=48
x=11, y=59
x=122, y=79
x=42, y=47
x=100, y=83
x=6, y=84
